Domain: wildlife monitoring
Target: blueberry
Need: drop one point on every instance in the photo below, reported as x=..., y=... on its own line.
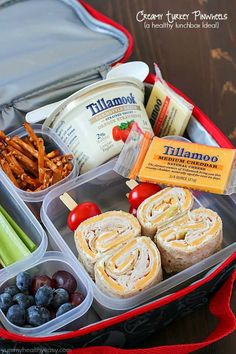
x=64, y=308
x=24, y=301
x=23, y=281
x=5, y=302
x=31, y=300
x=16, y=315
x=37, y=315
x=11, y=290
x=60, y=296
x=44, y=296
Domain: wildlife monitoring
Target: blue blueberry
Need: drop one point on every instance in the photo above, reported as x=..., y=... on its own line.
x=5, y=302
x=60, y=296
x=11, y=290
x=37, y=315
x=64, y=308
x=23, y=281
x=24, y=301
x=44, y=296
x=31, y=300
x=16, y=315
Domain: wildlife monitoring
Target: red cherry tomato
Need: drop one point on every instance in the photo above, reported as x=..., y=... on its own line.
x=116, y=133
x=82, y=212
x=142, y=192
x=124, y=134
x=133, y=211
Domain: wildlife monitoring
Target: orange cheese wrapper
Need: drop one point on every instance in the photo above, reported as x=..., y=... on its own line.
x=177, y=163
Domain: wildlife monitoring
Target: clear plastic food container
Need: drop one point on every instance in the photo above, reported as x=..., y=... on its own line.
x=48, y=265
x=52, y=141
x=106, y=188
x=19, y=212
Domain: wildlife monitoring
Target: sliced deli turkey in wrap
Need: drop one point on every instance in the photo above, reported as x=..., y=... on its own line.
x=101, y=234
x=157, y=211
x=189, y=239
x=132, y=268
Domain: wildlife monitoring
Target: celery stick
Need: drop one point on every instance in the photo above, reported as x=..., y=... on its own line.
x=24, y=238
x=12, y=249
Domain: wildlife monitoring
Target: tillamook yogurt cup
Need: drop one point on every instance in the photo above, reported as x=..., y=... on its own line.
x=95, y=121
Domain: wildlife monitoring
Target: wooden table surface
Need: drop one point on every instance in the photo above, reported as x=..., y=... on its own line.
x=201, y=63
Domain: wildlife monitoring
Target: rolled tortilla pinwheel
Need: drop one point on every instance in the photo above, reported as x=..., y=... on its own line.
x=132, y=268
x=188, y=240
x=99, y=235
x=157, y=211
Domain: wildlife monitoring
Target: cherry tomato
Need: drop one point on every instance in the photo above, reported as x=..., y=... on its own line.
x=124, y=134
x=116, y=133
x=133, y=211
x=82, y=212
x=142, y=192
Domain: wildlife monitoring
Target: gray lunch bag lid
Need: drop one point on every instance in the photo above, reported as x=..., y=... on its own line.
x=48, y=50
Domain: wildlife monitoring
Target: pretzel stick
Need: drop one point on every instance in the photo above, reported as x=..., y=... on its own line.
x=34, y=153
x=9, y=141
x=30, y=165
x=31, y=133
x=27, y=179
x=57, y=176
x=2, y=135
x=63, y=158
x=69, y=202
x=41, y=153
x=23, y=185
x=19, y=171
x=27, y=140
x=48, y=179
x=15, y=166
x=51, y=155
x=67, y=169
x=6, y=168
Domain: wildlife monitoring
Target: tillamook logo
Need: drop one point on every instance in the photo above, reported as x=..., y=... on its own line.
x=181, y=152
x=102, y=104
x=156, y=111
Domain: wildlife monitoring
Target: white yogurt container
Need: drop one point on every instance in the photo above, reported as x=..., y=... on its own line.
x=86, y=120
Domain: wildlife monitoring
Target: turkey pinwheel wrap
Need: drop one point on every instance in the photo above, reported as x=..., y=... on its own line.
x=188, y=240
x=99, y=235
x=160, y=209
x=132, y=268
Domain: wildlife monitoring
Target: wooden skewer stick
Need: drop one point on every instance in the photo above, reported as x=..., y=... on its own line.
x=131, y=184
x=69, y=202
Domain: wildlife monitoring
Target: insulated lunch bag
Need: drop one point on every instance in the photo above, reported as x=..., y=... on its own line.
x=60, y=47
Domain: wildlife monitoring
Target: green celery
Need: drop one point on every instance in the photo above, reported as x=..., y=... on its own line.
x=24, y=238
x=12, y=249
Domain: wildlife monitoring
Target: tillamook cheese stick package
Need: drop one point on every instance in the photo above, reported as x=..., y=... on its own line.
x=168, y=112
x=177, y=163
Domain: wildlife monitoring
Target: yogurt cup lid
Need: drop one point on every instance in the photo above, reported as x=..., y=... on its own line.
x=84, y=93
